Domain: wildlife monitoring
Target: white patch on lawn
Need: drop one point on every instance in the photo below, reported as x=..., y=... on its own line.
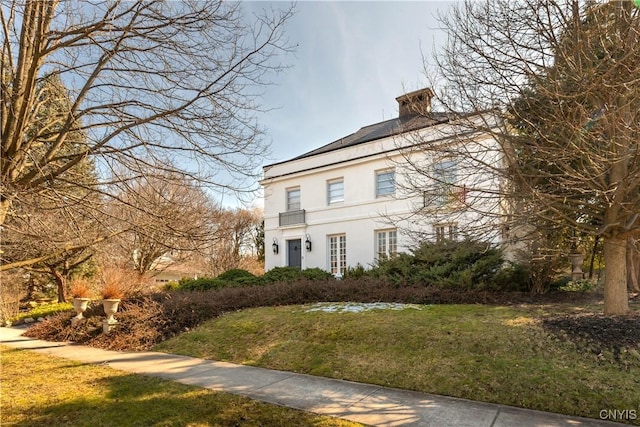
x=357, y=307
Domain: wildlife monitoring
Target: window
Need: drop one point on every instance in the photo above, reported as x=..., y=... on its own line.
x=293, y=199
x=386, y=244
x=446, y=232
x=447, y=189
x=446, y=175
x=338, y=254
x=385, y=183
x=335, y=191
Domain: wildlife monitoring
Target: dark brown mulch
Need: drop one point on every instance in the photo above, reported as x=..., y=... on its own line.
x=599, y=333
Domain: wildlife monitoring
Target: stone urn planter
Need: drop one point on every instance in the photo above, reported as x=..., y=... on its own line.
x=577, y=258
x=111, y=294
x=110, y=307
x=80, y=306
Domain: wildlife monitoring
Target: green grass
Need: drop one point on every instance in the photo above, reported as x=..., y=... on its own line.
x=40, y=390
x=485, y=353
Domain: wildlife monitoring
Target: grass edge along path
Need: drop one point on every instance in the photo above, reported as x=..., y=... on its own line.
x=493, y=354
x=38, y=390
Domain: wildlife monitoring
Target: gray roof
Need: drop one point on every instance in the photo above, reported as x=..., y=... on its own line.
x=380, y=130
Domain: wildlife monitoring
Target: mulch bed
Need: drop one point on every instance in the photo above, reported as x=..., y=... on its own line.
x=598, y=333
x=150, y=319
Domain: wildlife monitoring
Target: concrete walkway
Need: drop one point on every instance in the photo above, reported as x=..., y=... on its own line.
x=364, y=403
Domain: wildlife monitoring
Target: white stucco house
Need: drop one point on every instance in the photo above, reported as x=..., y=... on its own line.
x=353, y=200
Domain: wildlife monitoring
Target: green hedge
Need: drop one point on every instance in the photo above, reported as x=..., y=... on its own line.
x=235, y=273
x=238, y=277
x=457, y=265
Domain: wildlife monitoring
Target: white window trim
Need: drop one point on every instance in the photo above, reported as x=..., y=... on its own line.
x=390, y=240
x=339, y=256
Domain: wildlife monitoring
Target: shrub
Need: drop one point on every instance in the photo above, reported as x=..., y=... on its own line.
x=235, y=273
x=249, y=281
x=292, y=274
x=282, y=274
x=459, y=265
x=356, y=272
x=171, y=286
x=584, y=285
x=202, y=284
x=220, y=282
x=513, y=277
x=316, y=274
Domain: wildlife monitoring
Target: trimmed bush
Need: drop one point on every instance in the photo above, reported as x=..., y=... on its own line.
x=282, y=274
x=292, y=274
x=457, y=265
x=202, y=284
x=234, y=274
x=316, y=274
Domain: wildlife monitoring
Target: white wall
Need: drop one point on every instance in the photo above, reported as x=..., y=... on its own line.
x=358, y=217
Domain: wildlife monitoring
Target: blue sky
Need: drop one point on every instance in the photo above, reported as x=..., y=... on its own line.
x=353, y=59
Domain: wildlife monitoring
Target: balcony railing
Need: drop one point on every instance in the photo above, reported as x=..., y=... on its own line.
x=292, y=217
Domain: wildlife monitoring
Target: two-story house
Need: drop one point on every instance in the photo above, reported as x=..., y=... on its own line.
x=347, y=203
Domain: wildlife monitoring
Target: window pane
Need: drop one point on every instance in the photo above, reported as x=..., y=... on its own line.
x=393, y=243
x=386, y=244
x=447, y=172
x=335, y=191
x=343, y=253
x=293, y=199
x=446, y=232
x=385, y=183
x=382, y=245
x=333, y=250
x=337, y=254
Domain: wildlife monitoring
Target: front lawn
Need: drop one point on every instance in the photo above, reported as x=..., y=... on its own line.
x=507, y=355
x=40, y=390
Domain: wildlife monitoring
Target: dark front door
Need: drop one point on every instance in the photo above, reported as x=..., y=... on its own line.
x=294, y=253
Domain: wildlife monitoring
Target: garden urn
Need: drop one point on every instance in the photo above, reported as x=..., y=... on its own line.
x=577, y=259
x=110, y=307
x=80, y=306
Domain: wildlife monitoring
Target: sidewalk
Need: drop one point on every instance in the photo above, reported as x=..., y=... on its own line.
x=364, y=403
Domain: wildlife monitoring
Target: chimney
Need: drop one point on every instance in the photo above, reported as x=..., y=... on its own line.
x=414, y=103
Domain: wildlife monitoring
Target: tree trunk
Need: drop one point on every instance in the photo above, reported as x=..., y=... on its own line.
x=593, y=256
x=616, y=300
x=61, y=281
x=633, y=266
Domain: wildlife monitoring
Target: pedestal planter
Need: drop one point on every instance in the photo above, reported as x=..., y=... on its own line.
x=110, y=307
x=576, y=266
x=80, y=306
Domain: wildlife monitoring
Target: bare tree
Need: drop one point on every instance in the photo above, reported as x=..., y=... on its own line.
x=235, y=243
x=55, y=235
x=148, y=82
x=167, y=219
x=564, y=77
